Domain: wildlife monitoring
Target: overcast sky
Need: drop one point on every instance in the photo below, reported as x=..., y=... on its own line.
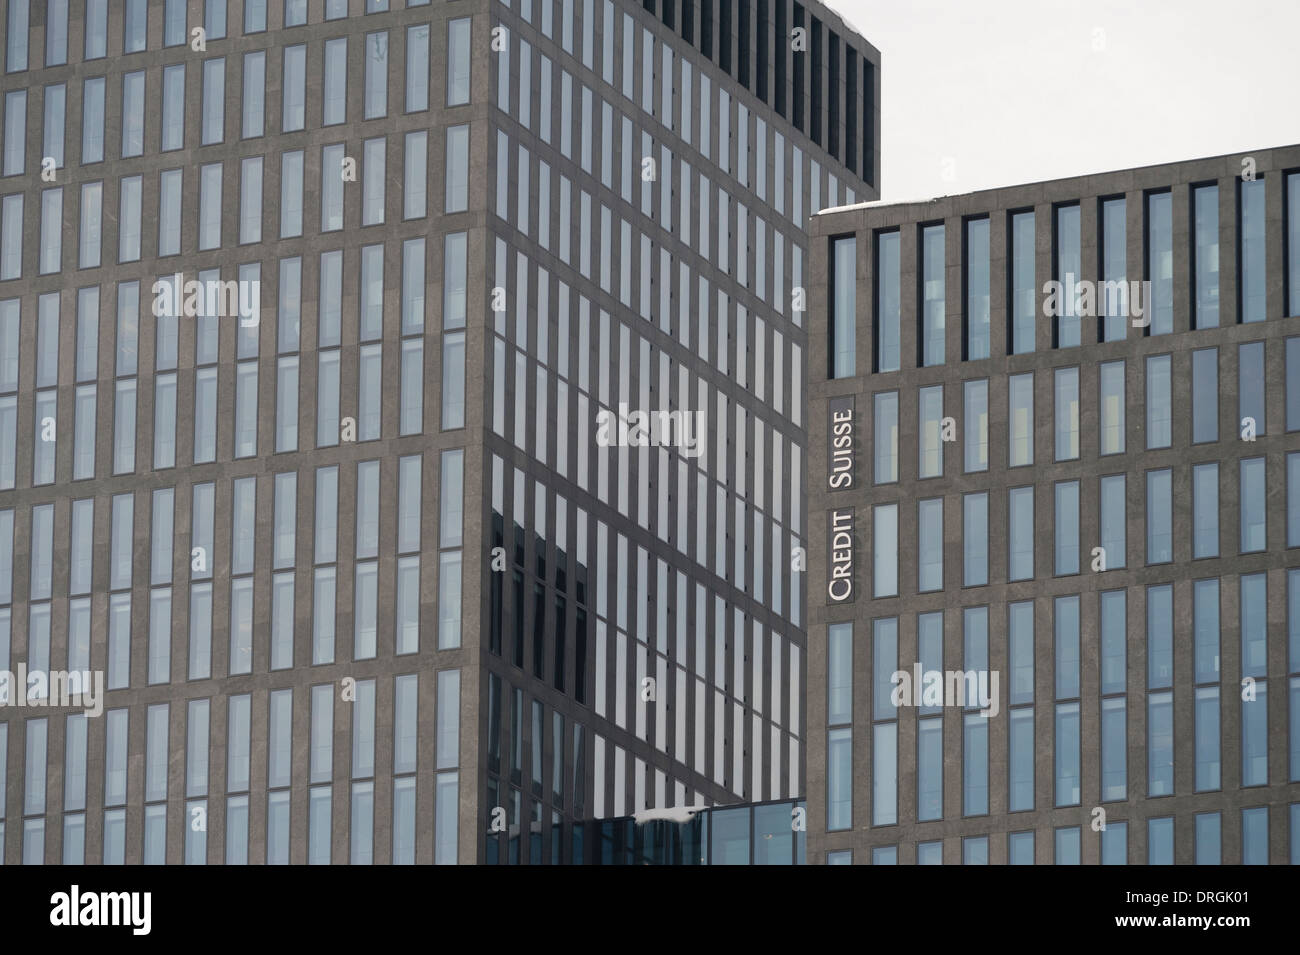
x=983, y=93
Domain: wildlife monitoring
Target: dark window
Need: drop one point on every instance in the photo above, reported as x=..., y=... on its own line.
x=816, y=80
x=688, y=20
x=557, y=674
x=868, y=122
x=539, y=631
x=668, y=13
x=850, y=108
x=724, y=35
x=742, y=45
x=761, y=45
x=580, y=659
x=706, y=29
x=833, y=87
x=799, y=65
x=517, y=609
x=782, y=52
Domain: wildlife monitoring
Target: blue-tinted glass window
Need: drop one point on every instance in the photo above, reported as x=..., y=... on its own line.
x=1069, y=270
x=1254, y=625
x=1160, y=263
x=1205, y=257
x=1113, y=302
x=977, y=288
x=975, y=540
x=1114, y=844
x=929, y=532
x=1160, y=532
x=1251, y=250
x=1020, y=538
x=1205, y=395
x=1067, y=754
x=1250, y=388
x=888, y=324
x=1113, y=520
x=1114, y=743
x=1160, y=743
x=1205, y=510
x=1253, y=518
x=975, y=850
x=1160, y=636
x=1114, y=637
x=1254, y=736
x=1067, y=527
x=1068, y=845
x=1293, y=279
x=1159, y=402
x=844, y=257
x=1024, y=293
x=1207, y=738
x=1020, y=757
x=933, y=295
x=1254, y=836
x=1205, y=630
x=1020, y=848
x=1209, y=842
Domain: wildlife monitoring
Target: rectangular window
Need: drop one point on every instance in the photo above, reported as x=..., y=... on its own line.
x=1067, y=527
x=1160, y=743
x=1205, y=257
x=1020, y=537
x=1159, y=403
x=976, y=409
x=1205, y=510
x=1024, y=293
x=458, y=62
x=1069, y=271
x=976, y=274
x=294, y=102
x=930, y=544
x=885, y=563
x=933, y=295
x=975, y=522
x=1253, y=516
x=334, y=84
x=1159, y=514
x=457, y=169
x=887, y=328
x=417, y=68
x=253, y=95
x=1020, y=396
x=214, y=101
x=1113, y=301
x=376, y=88
x=1250, y=388
x=930, y=445
x=1160, y=262
x=885, y=437
x=1067, y=414
x=1114, y=522
x=1113, y=407
x=1205, y=395
x=843, y=278
x=1250, y=252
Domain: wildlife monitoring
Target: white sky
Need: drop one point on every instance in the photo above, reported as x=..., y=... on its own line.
x=977, y=94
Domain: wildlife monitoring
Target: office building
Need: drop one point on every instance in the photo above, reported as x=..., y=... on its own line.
x=1054, y=501
x=317, y=325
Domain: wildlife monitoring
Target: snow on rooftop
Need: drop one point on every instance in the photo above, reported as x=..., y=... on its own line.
x=877, y=204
